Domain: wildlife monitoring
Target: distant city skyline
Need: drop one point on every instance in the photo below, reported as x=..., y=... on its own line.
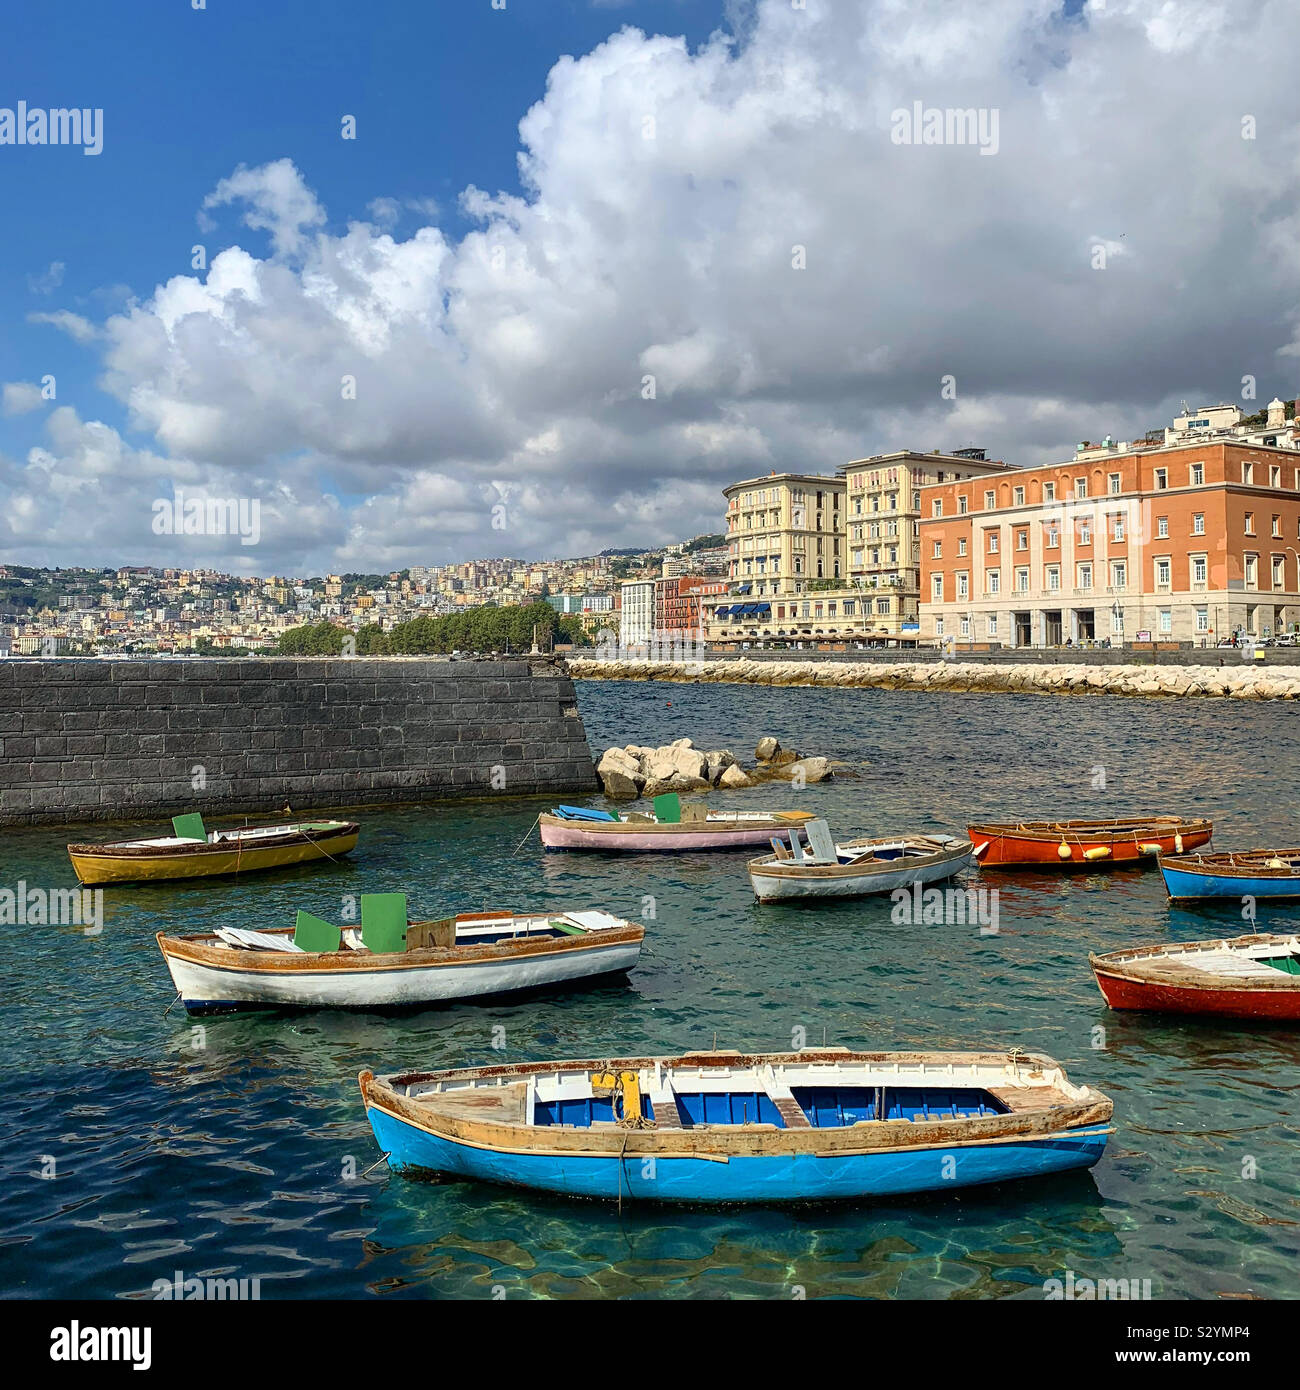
x=468, y=281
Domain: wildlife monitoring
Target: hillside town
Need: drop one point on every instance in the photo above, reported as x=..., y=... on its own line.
x=1187, y=536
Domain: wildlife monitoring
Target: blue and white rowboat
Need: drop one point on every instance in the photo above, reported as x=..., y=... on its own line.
x=1252, y=873
x=727, y=1127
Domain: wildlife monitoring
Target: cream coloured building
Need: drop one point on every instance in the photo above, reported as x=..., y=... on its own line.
x=882, y=515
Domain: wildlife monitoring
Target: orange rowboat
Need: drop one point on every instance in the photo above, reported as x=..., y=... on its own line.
x=1087, y=844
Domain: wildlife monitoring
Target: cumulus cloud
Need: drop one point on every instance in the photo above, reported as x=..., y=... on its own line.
x=19, y=397
x=722, y=263
x=275, y=200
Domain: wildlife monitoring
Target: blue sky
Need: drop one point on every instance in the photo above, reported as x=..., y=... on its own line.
x=722, y=262
x=438, y=90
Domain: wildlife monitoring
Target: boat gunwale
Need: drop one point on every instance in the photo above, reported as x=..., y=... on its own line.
x=1234, y=863
x=765, y=866
x=289, y=836
x=1027, y=1123
x=691, y=827
x=196, y=950
x=1121, y=828
x=1140, y=965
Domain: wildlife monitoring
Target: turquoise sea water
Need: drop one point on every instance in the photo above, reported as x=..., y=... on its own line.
x=232, y=1149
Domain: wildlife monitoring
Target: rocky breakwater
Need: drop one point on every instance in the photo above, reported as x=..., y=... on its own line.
x=633, y=771
x=1236, y=682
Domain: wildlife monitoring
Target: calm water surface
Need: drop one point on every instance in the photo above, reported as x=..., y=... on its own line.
x=232, y=1150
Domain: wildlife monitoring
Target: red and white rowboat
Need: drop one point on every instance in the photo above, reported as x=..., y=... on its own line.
x=1245, y=977
x=1094, y=844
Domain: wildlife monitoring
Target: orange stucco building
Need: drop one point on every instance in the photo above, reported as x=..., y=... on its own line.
x=1195, y=542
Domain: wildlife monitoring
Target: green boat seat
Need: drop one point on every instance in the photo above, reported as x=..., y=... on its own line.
x=383, y=922
x=1289, y=965
x=668, y=809
x=189, y=827
x=565, y=928
x=315, y=934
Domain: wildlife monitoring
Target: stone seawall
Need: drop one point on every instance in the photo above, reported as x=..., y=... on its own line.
x=89, y=739
x=1231, y=681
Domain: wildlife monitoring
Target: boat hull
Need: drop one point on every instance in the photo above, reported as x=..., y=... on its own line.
x=1004, y=848
x=110, y=868
x=765, y=1178
x=206, y=987
x=670, y=839
x=1193, y=885
x=1152, y=997
x=789, y=883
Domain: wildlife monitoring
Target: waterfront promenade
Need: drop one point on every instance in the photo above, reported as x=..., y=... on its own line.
x=1234, y=679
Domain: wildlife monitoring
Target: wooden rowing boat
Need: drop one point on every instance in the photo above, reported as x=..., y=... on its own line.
x=194, y=852
x=854, y=868
x=1086, y=844
x=1242, y=977
x=1251, y=873
x=670, y=827
x=465, y=957
x=727, y=1127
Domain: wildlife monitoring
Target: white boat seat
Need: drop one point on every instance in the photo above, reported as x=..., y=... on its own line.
x=352, y=939
x=242, y=938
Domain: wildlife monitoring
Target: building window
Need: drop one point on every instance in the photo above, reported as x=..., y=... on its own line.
x=1117, y=527
x=1085, y=533
x=1278, y=577
x=1250, y=523
x=1118, y=574
x=1085, y=576
x=963, y=585
x=1247, y=472
x=936, y=507
x=965, y=625
x=1163, y=571
x=993, y=542
x=1165, y=623
x=1022, y=540
x=1018, y=497
x=938, y=549
x=936, y=587
x=1274, y=476
x=1277, y=525
x=994, y=581
x=1022, y=581
x=1162, y=526
x=1081, y=487
x=961, y=545
x=961, y=505
x=938, y=627
x=1053, y=538
x=1252, y=571
x=993, y=624
x=1049, y=492
x=1202, y=620
x=1054, y=578
x=1162, y=479
x=850, y=607
x=1113, y=483
x=990, y=500
x=1196, y=474
x=1198, y=523
x=1199, y=567
x=882, y=605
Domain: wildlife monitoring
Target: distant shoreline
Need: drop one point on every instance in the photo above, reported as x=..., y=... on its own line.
x=1145, y=681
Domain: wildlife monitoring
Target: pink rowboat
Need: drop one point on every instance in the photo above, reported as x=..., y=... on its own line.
x=639, y=831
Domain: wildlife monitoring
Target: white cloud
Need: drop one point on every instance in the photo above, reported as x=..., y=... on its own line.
x=276, y=201
x=19, y=397
x=665, y=192
x=74, y=325
x=48, y=280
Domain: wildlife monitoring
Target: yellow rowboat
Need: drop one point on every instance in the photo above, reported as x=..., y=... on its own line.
x=193, y=852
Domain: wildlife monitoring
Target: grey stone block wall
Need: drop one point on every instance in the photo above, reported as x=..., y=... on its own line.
x=84, y=739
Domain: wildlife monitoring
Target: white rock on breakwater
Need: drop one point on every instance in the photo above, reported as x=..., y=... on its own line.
x=632, y=771
x=1237, y=682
